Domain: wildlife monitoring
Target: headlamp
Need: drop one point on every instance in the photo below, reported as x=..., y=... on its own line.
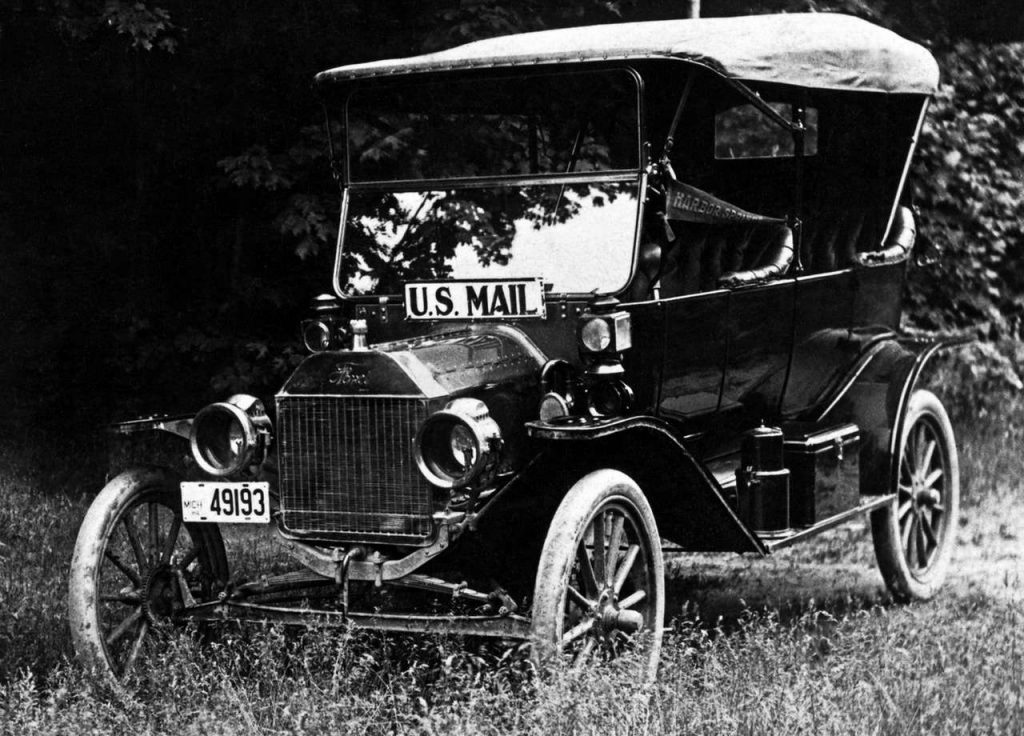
x=459, y=445
x=227, y=436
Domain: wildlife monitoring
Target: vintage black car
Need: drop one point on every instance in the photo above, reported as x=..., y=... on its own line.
x=594, y=289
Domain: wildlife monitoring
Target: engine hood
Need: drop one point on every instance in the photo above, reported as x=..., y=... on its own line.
x=432, y=366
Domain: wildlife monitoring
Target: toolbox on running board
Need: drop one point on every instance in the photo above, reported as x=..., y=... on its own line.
x=825, y=472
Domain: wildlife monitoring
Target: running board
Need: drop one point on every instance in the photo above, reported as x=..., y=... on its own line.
x=866, y=506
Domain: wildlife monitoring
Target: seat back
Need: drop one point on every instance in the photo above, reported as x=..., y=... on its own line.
x=701, y=254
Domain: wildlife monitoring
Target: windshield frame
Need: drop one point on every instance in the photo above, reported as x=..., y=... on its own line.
x=638, y=174
x=509, y=73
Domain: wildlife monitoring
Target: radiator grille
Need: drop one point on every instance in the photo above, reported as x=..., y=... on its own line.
x=346, y=467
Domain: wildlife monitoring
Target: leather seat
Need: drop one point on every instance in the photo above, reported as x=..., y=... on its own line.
x=831, y=239
x=852, y=237
x=705, y=257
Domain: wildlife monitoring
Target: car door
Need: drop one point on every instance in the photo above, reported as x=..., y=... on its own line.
x=822, y=348
x=760, y=339
x=695, y=354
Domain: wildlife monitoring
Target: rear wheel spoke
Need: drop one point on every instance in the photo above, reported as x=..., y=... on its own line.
x=128, y=572
x=171, y=540
x=122, y=628
x=932, y=478
x=586, y=649
x=929, y=453
x=906, y=470
x=587, y=578
x=922, y=545
x=920, y=440
x=614, y=543
x=133, y=653
x=908, y=528
x=129, y=599
x=579, y=599
x=154, y=532
x=624, y=569
x=929, y=532
x=189, y=558
x=632, y=599
x=600, y=540
x=578, y=630
x=133, y=539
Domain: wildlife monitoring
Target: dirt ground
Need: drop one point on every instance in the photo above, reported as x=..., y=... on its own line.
x=837, y=570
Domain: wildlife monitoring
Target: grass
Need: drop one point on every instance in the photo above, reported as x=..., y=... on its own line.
x=836, y=658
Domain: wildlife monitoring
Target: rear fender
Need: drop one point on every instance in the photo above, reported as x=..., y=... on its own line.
x=875, y=398
x=688, y=502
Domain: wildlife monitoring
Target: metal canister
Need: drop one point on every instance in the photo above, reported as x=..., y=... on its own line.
x=762, y=483
x=762, y=448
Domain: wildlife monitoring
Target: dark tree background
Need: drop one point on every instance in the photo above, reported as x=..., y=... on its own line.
x=166, y=211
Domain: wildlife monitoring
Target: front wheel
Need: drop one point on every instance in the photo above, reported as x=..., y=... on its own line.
x=600, y=584
x=135, y=565
x=914, y=536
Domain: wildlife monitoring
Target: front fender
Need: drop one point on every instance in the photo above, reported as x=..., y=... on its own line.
x=688, y=503
x=160, y=439
x=180, y=425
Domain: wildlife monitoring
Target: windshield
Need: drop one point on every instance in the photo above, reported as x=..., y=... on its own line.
x=534, y=176
x=576, y=238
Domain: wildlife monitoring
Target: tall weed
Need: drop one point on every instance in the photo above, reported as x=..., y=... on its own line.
x=841, y=665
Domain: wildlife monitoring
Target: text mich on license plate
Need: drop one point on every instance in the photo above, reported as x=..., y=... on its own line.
x=484, y=299
x=225, y=502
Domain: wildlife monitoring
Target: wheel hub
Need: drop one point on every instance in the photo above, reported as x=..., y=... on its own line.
x=612, y=618
x=926, y=497
x=624, y=620
x=160, y=594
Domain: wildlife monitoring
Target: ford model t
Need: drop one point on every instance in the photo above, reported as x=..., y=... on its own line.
x=594, y=289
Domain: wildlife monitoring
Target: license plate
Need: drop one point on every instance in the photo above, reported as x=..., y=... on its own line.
x=226, y=503
x=494, y=299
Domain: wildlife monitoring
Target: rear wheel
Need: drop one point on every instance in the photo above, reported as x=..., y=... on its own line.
x=600, y=584
x=135, y=565
x=915, y=535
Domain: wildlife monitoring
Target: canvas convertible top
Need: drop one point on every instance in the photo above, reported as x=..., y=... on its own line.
x=818, y=50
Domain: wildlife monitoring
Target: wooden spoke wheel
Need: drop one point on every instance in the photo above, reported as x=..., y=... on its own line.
x=600, y=583
x=914, y=537
x=135, y=565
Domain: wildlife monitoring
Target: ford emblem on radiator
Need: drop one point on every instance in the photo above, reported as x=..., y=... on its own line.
x=346, y=374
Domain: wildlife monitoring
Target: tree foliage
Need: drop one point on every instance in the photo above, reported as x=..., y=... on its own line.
x=167, y=207
x=970, y=185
